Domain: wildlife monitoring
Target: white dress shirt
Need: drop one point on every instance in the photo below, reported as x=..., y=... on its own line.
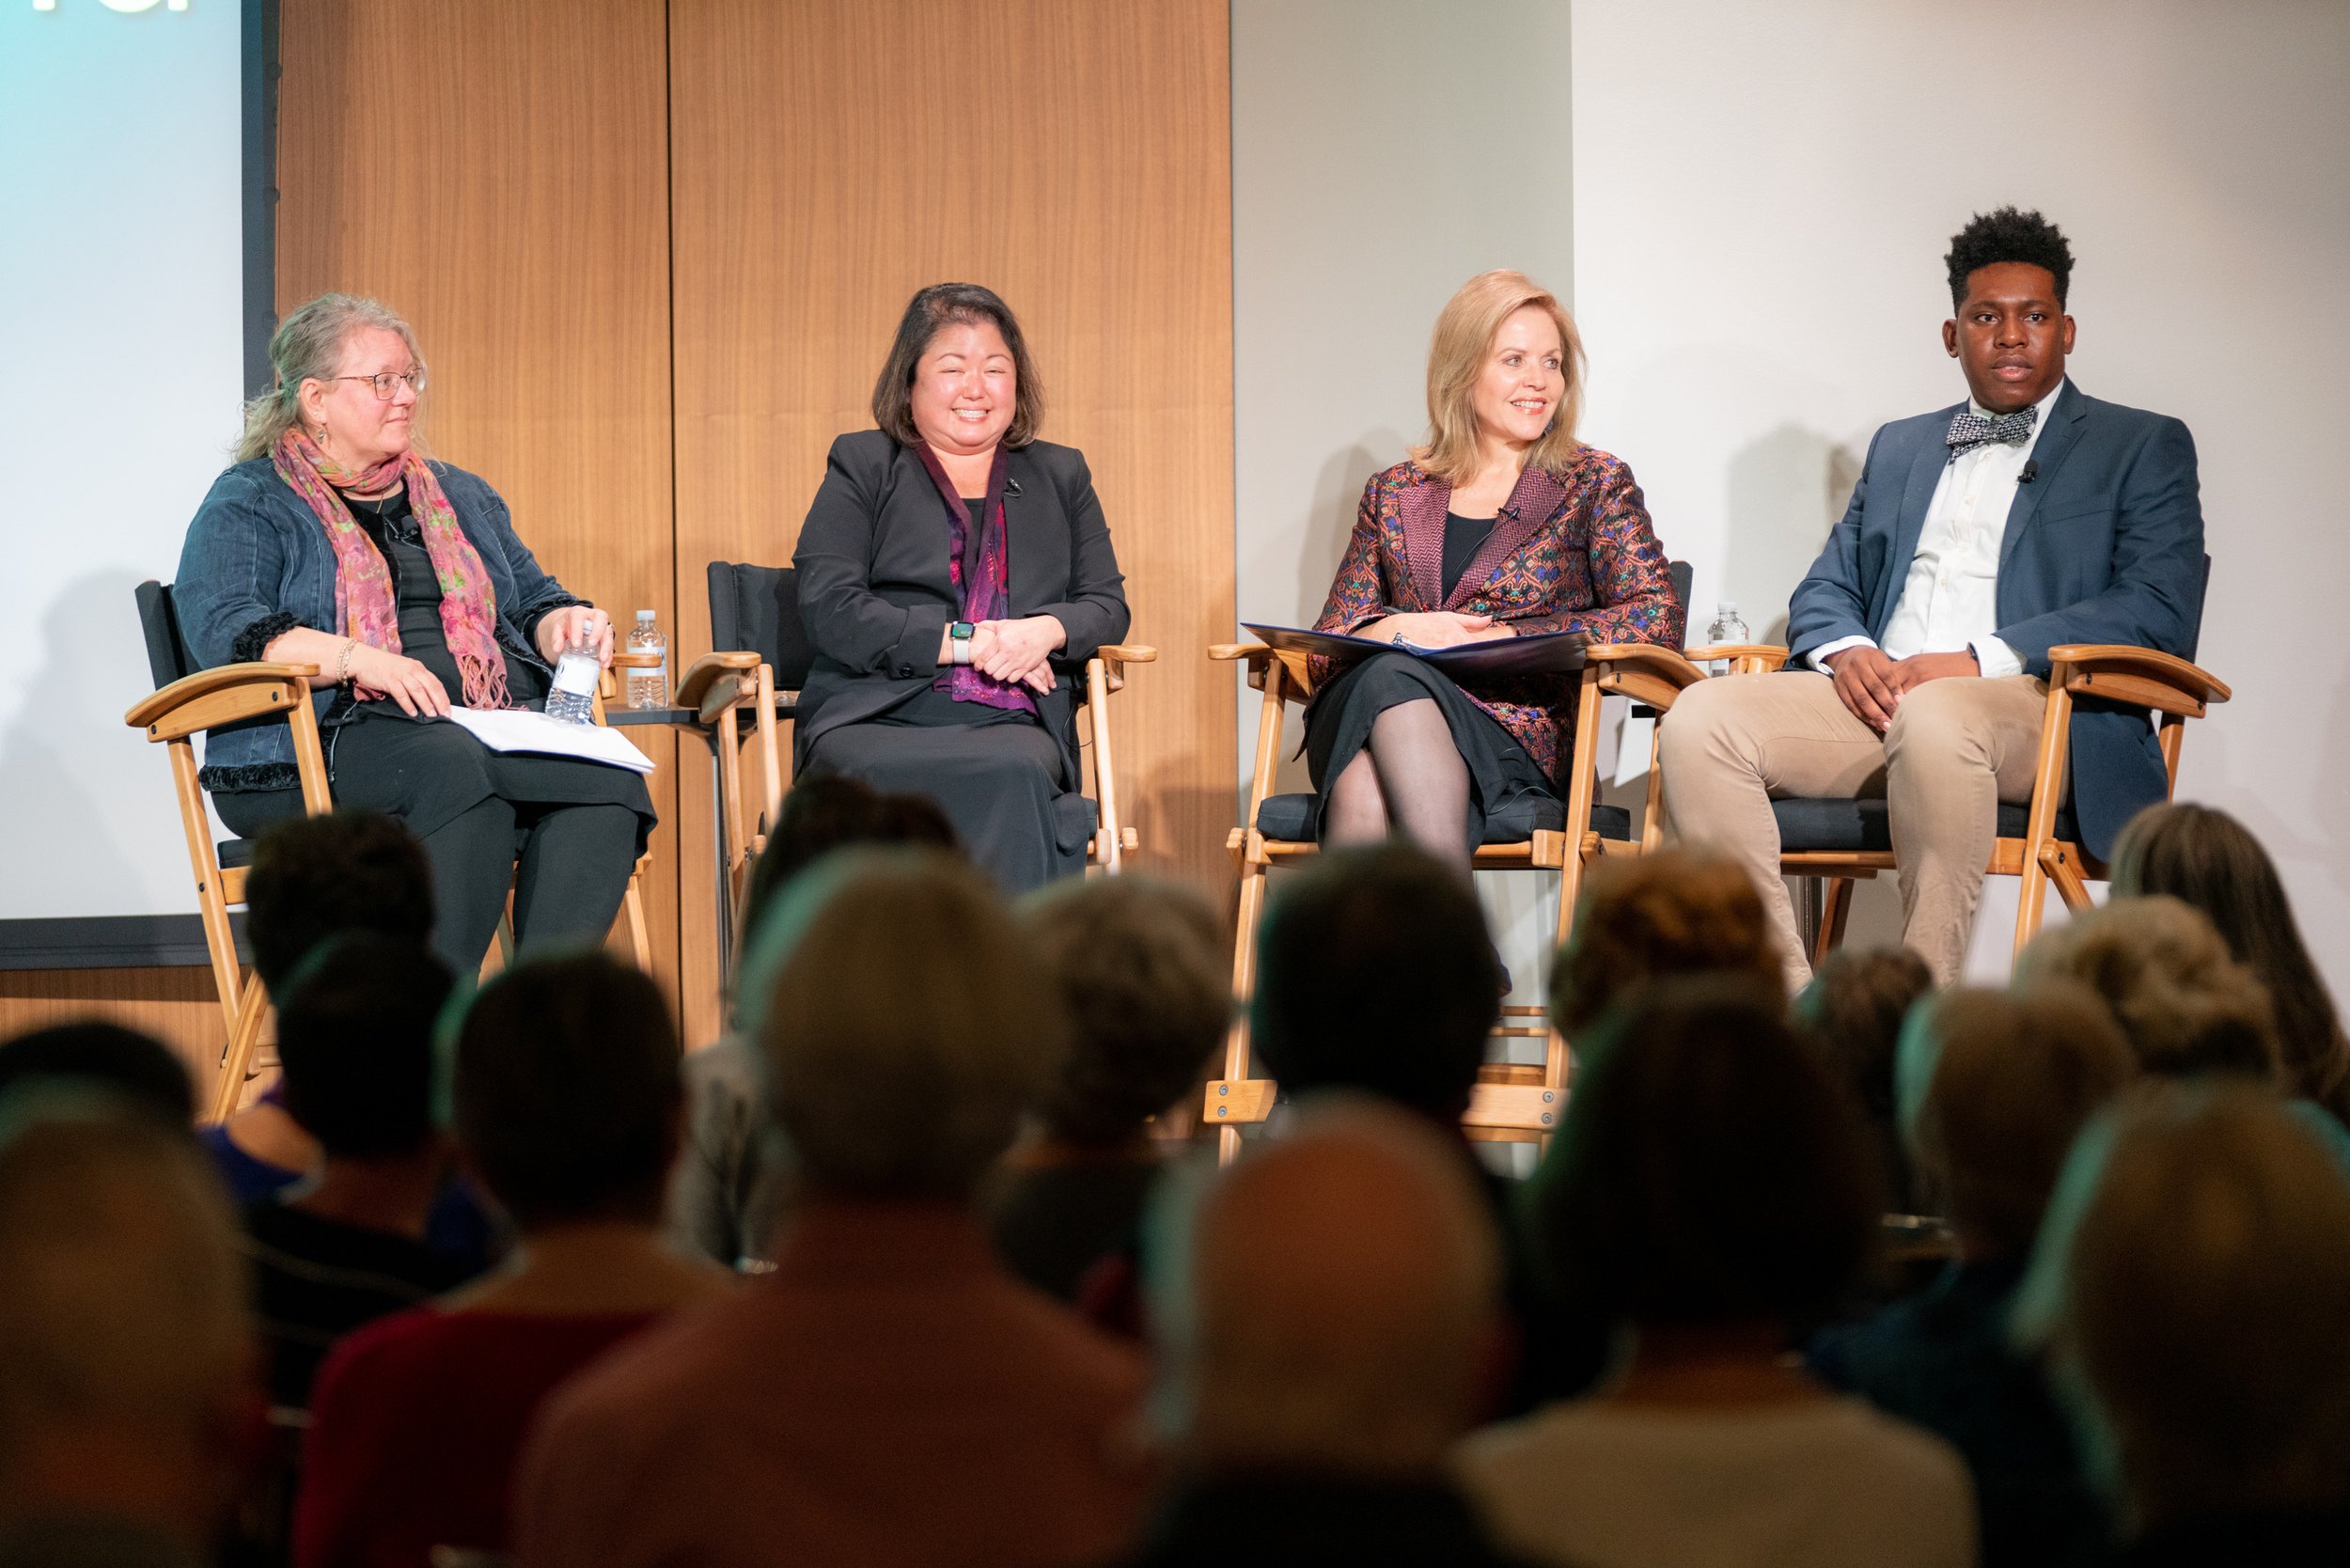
x=1950, y=599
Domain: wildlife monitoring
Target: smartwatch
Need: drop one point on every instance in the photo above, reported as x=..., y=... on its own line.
x=960, y=635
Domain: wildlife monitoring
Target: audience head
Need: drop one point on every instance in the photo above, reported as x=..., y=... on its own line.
x=1709, y=1171
x=959, y=338
x=2208, y=860
x=137, y=1067
x=1671, y=913
x=315, y=877
x=564, y=1091
x=126, y=1381
x=906, y=1027
x=1501, y=335
x=1143, y=973
x=1330, y=1304
x=1375, y=972
x=1994, y=1090
x=2191, y=1284
x=1852, y=1015
x=833, y=811
x=355, y=1038
x=2185, y=1007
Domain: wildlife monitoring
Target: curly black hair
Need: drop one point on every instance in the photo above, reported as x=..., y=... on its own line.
x=2009, y=235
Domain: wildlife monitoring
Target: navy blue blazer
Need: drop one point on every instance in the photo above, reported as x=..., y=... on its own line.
x=2105, y=547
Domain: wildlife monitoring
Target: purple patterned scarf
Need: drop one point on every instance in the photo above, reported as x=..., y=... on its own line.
x=979, y=564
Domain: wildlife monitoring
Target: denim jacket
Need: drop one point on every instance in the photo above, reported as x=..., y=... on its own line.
x=257, y=564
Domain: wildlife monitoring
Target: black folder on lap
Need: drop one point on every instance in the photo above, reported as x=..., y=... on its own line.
x=1547, y=653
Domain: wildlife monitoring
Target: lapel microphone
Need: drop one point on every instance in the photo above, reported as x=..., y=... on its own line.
x=2031, y=471
x=1011, y=486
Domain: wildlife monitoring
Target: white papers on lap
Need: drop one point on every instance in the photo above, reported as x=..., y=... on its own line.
x=522, y=729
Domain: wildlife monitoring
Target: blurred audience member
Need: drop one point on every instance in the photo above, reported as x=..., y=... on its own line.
x=313, y=878
x=138, y=1067
x=2192, y=1284
x=887, y=1393
x=2207, y=858
x=566, y=1108
x=127, y=1390
x=354, y=1035
x=1144, y=974
x=1713, y=1189
x=1994, y=1087
x=727, y=1192
x=1852, y=1015
x=1330, y=1319
x=1676, y=912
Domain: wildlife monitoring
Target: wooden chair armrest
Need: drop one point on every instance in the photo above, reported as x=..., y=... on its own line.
x=1126, y=653
x=1745, y=658
x=1642, y=671
x=695, y=684
x=225, y=693
x=1225, y=652
x=2140, y=676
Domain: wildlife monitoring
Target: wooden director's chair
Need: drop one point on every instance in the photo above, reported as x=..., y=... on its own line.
x=1511, y=1101
x=1842, y=842
x=763, y=655
x=189, y=700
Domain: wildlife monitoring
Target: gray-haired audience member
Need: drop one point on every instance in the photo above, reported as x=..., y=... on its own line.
x=127, y=1366
x=1993, y=1090
x=1143, y=971
x=1712, y=1190
x=1329, y=1316
x=727, y=1191
x=888, y=1393
x=2192, y=1284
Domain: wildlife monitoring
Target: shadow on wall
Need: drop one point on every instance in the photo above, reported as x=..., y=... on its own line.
x=56, y=760
x=1330, y=521
x=1787, y=489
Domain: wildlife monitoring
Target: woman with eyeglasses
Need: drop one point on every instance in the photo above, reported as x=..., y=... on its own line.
x=333, y=541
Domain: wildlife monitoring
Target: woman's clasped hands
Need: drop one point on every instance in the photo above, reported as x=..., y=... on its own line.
x=1018, y=652
x=1435, y=629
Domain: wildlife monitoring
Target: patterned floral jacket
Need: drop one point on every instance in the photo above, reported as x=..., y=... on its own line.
x=1572, y=553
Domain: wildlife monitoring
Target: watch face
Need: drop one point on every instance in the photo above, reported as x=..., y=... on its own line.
x=962, y=631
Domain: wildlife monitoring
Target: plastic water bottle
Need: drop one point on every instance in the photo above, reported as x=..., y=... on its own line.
x=1727, y=630
x=573, y=698
x=649, y=685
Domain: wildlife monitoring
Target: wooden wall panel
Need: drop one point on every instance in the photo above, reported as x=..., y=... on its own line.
x=831, y=156
x=174, y=1005
x=499, y=175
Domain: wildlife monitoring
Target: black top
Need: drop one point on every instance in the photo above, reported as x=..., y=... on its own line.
x=1463, y=538
x=315, y=1281
x=392, y=525
x=1240, y=1521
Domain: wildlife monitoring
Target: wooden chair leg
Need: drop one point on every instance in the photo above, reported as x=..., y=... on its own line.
x=1834, y=909
x=632, y=912
x=236, y=1060
x=1252, y=892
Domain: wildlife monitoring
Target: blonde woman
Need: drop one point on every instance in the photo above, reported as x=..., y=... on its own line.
x=1503, y=524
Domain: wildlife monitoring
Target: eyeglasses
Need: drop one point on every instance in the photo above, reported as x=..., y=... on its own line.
x=384, y=383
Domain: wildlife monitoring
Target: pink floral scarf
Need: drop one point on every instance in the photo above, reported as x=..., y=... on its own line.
x=364, y=604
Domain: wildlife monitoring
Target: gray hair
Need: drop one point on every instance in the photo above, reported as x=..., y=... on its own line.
x=307, y=346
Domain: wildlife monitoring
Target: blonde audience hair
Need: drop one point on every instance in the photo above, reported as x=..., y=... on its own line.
x=1993, y=1090
x=1676, y=912
x=2163, y=970
x=308, y=346
x=2191, y=1284
x=904, y=1025
x=1457, y=352
x=122, y=1292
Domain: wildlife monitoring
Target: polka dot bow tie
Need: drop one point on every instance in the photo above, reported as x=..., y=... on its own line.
x=1969, y=429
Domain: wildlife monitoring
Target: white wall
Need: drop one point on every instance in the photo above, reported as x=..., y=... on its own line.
x=1384, y=152
x=121, y=365
x=1762, y=197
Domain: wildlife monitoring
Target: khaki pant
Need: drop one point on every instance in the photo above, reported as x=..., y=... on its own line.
x=1958, y=746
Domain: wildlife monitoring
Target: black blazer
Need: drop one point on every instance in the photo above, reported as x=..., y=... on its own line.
x=2106, y=546
x=875, y=594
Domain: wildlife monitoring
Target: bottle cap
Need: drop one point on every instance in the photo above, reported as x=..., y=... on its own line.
x=1729, y=607
x=644, y=615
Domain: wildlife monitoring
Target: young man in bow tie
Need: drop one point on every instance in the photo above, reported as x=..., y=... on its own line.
x=1978, y=536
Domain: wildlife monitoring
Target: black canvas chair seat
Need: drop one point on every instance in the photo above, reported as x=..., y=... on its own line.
x=235, y=852
x=1849, y=827
x=1290, y=819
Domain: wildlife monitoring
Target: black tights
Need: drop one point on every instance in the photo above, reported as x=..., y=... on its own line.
x=1408, y=777
x=568, y=867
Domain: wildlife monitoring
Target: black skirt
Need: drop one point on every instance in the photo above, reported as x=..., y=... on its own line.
x=1337, y=727
x=995, y=772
